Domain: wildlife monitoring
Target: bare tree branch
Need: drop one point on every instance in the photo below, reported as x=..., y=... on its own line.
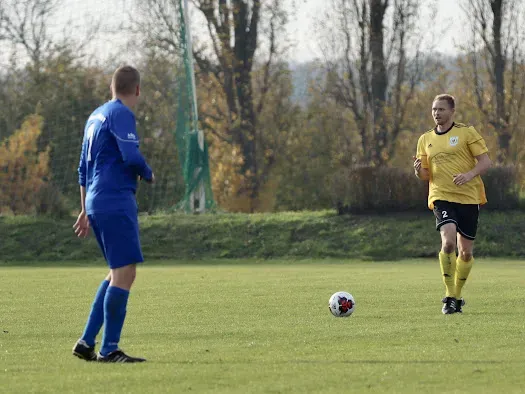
x=377, y=73
x=26, y=24
x=496, y=24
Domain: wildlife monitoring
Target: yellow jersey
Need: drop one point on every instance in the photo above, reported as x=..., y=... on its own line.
x=448, y=153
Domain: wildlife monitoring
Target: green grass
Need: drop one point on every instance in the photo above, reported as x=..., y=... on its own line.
x=246, y=326
x=288, y=235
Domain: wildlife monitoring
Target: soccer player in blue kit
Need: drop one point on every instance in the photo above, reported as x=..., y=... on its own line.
x=110, y=165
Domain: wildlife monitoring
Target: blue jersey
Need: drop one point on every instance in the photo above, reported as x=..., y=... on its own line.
x=110, y=161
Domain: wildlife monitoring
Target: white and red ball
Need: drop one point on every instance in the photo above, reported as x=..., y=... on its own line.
x=341, y=304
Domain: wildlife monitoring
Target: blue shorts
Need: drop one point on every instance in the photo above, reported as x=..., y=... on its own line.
x=117, y=234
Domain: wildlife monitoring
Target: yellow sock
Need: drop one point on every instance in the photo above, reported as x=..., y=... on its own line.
x=462, y=270
x=447, y=262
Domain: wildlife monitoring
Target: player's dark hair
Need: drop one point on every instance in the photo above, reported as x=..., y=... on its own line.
x=125, y=80
x=448, y=98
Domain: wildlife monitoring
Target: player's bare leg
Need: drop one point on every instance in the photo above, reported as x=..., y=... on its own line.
x=123, y=277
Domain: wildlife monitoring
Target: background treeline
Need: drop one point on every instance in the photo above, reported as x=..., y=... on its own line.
x=338, y=132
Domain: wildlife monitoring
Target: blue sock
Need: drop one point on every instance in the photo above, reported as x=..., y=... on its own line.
x=96, y=316
x=114, y=314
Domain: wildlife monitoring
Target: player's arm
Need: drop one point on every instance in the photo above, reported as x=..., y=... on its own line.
x=483, y=164
x=83, y=198
x=478, y=149
x=124, y=130
x=81, y=226
x=82, y=165
x=421, y=162
x=421, y=173
x=480, y=168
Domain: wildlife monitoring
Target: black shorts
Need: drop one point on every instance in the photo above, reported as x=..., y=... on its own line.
x=465, y=216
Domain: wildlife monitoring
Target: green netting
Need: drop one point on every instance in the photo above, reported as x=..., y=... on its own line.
x=194, y=160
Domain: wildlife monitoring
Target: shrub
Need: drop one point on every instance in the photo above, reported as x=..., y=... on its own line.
x=50, y=201
x=384, y=189
x=502, y=186
x=378, y=189
x=24, y=169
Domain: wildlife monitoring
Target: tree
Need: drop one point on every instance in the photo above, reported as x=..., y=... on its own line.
x=497, y=72
x=24, y=169
x=46, y=78
x=64, y=96
x=26, y=24
x=24, y=28
x=155, y=124
x=239, y=59
x=240, y=31
x=371, y=70
x=318, y=144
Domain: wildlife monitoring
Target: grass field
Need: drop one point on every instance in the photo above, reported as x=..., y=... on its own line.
x=241, y=326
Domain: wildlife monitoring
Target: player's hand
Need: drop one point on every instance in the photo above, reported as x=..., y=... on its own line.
x=417, y=164
x=152, y=180
x=461, y=179
x=81, y=226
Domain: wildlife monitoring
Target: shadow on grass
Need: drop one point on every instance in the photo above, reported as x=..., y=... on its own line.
x=323, y=362
x=99, y=263
x=282, y=261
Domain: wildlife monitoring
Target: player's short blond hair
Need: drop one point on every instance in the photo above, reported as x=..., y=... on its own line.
x=125, y=80
x=448, y=98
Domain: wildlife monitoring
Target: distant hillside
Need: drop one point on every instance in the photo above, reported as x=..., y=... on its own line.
x=304, y=73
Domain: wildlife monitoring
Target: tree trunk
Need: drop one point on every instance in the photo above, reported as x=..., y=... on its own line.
x=499, y=80
x=379, y=77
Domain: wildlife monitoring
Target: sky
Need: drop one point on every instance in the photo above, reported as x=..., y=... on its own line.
x=446, y=28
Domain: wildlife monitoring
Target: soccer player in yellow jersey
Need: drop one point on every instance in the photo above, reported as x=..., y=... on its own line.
x=451, y=158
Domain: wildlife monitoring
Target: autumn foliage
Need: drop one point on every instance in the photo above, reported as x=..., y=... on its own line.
x=24, y=168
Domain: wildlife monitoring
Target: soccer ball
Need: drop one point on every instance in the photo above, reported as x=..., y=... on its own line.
x=341, y=304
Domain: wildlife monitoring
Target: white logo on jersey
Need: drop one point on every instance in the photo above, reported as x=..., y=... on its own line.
x=131, y=136
x=100, y=117
x=453, y=141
